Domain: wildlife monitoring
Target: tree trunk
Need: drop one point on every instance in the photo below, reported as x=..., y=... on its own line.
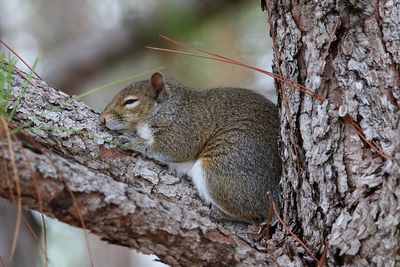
x=337, y=189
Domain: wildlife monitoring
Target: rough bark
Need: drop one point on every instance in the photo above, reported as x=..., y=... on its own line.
x=127, y=200
x=336, y=189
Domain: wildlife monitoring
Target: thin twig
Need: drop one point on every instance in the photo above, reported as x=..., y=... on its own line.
x=329, y=44
x=234, y=62
x=19, y=72
x=34, y=236
x=360, y=133
x=17, y=187
x=291, y=233
x=40, y=201
x=2, y=262
x=20, y=58
x=293, y=139
x=323, y=256
x=74, y=200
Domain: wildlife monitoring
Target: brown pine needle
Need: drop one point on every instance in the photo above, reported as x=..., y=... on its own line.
x=268, y=226
x=284, y=97
x=2, y=262
x=197, y=49
x=17, y=187
x=329, y=44
x=34, y=236
x=74, y=200
x=20, y=58
x=302, y=88
x=13, y=200
x=17, y=70
x=6, y=175
x=323, y=256
x=291, y=233
x=85, y=231
x=360, y=133
x=41, y=210
x=75, y=203
x=234, y=62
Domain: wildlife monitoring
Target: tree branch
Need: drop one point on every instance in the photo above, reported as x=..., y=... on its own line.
x=127, y=200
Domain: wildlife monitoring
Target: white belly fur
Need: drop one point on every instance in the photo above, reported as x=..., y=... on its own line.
x=144, y=131
x=196, y=172
x=199, y=180
x=181, y=167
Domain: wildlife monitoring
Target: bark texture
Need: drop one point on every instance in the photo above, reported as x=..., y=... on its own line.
x=126, y=200
x=336, y=189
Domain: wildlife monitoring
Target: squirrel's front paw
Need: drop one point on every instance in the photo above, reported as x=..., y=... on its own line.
x=125, y=142
x=122, y=141
x=132, y=143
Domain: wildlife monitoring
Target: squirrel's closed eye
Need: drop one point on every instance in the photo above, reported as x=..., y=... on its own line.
x=130, y=101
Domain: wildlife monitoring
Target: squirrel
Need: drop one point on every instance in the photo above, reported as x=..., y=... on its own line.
x=225, y=139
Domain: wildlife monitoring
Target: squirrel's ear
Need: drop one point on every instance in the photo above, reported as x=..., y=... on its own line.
x=157, y=82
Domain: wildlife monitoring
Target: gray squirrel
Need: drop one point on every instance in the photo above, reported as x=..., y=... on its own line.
x=225, y=139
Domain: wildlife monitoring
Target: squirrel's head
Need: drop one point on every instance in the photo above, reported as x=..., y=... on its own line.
x=134, y=103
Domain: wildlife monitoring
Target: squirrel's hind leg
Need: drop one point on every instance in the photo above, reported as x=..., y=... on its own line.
x=210, y=188
x=218, y=215
x=234, y=191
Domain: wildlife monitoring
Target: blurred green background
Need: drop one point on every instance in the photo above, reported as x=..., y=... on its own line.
x=86, y=44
